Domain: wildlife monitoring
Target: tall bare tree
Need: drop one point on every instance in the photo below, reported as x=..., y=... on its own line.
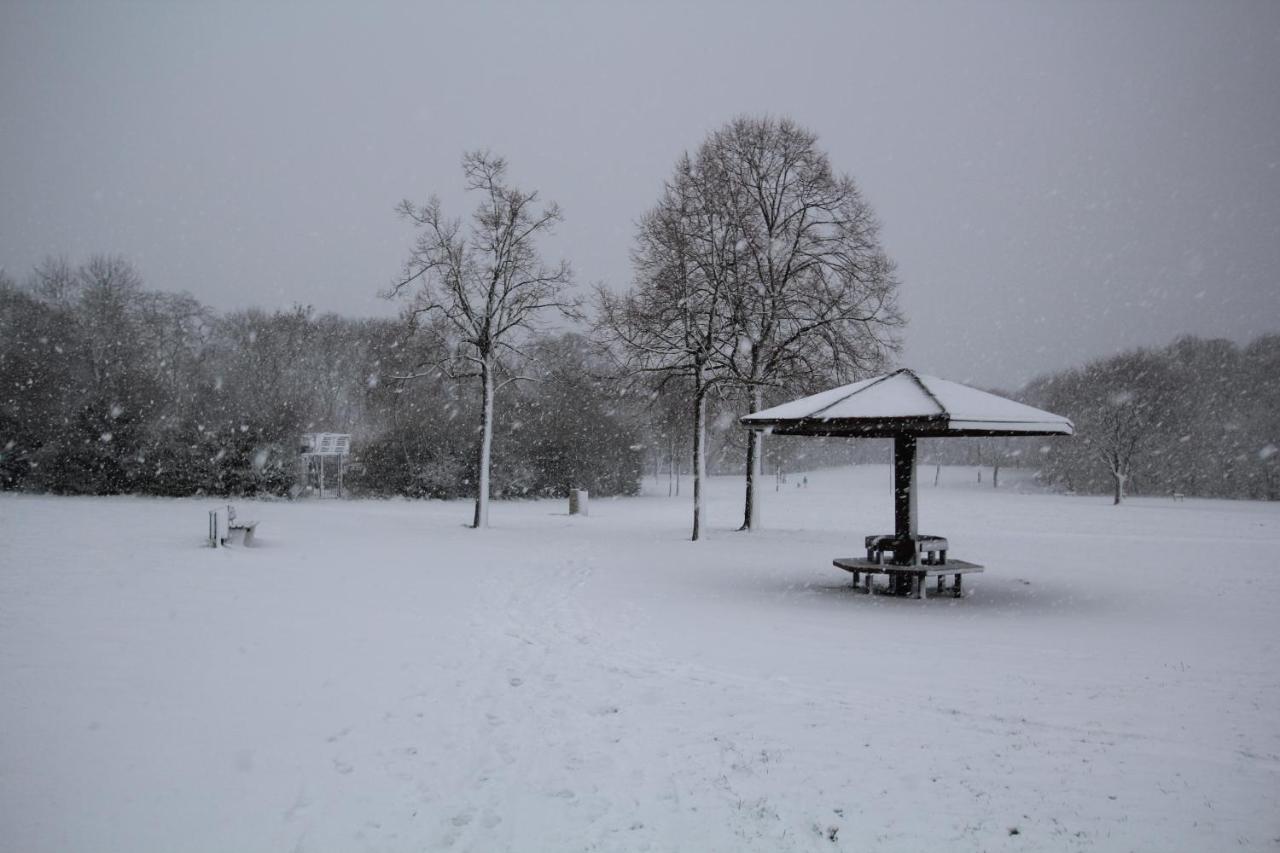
x=813, y=292
x=674, y=323
x=486, y=284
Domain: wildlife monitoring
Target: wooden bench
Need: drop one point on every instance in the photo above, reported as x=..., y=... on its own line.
x=907, y=580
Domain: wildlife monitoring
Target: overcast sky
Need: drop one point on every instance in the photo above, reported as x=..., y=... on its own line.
x=1056, y=182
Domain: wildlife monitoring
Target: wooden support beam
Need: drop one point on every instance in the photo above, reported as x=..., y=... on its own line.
x=904, y=498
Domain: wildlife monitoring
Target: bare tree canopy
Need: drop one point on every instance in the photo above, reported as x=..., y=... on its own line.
x=484, y=286
x=813, y=295
x=814, y=290
x=675, y=322
x=759, y=268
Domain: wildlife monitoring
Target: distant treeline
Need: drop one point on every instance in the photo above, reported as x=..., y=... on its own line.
x=107, y=387
x=110, y=388
x=1199, y=417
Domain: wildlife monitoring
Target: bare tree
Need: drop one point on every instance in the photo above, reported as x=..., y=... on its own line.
x=814, y=294
x=673, y=324
x=1120, y=407
x=174, y=329
x=56, y=282
x=487, y=284
x=1116, y=435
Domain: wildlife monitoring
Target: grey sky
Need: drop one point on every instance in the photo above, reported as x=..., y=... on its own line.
x=1056, y=182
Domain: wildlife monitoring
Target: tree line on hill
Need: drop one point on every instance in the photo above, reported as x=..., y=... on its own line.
x=112, y=388
x=1198, y=417
x=109, y=388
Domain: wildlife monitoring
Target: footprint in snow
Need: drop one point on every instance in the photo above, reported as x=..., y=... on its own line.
x=299, y=806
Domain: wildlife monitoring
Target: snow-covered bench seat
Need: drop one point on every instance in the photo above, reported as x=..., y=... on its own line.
x=233, y=524
x=907, y=580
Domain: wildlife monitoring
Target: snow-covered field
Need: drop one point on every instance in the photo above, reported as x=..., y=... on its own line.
x=375, y=676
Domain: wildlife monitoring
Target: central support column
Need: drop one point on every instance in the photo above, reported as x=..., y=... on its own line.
x=904, y=498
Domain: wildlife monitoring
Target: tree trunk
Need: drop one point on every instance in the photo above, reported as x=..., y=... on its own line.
x=699, y=453
x=995, y=475
x=675, y=461
x=671, y=468
x=1119, y=478
x=755, y=454
x=486, y=448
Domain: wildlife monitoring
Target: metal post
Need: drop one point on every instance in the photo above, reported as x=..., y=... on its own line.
x=322, y=476
x=904, y=498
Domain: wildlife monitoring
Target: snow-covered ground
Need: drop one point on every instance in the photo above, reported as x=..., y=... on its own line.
x=375, y=676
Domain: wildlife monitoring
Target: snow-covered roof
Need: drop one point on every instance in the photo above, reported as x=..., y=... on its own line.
x=906, y=402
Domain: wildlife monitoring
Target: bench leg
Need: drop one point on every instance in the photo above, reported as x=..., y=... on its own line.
x=855, y=580
x=956, y=590
x=917, y=586
x=940, y=579
x=248, y=535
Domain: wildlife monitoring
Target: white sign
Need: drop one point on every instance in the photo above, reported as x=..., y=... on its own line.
x=326, y=444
